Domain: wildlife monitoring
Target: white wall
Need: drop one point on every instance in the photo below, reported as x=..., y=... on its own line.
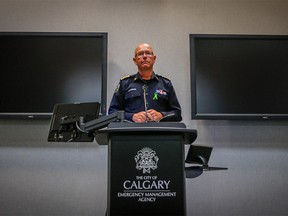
x=38, y=178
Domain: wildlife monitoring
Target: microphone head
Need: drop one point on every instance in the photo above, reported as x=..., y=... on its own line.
x=145, y=87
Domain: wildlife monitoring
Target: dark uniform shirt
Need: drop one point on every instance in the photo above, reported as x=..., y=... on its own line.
x=160, y=95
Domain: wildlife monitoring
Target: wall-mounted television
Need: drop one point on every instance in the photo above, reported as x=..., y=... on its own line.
x=239, y=76
x=41, y=69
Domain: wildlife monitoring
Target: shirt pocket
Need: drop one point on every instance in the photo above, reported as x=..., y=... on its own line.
x=132, y=95
x=134, y=101
x=161, y=102
x=163, y=97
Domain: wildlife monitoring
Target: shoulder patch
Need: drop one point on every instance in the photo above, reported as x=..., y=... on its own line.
x=117, y=88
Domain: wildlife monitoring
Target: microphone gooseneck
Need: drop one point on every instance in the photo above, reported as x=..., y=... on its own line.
x=145, y=87
x=167, y=117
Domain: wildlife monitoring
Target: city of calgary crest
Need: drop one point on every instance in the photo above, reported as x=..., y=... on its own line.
x=146, y=160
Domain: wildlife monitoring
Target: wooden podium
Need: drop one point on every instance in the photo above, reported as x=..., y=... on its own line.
x=146, y=167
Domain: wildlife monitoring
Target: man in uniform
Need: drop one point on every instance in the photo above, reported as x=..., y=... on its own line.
x=146, y=96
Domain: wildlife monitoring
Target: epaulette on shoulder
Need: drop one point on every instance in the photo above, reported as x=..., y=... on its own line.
x=126, y=77
x=163, y=77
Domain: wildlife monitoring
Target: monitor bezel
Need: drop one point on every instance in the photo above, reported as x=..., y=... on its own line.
x=195, y=115
x=48, y=115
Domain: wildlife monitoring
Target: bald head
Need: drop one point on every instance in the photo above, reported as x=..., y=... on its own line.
x=142, y=46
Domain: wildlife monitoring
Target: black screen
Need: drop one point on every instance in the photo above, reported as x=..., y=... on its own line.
x=66, y=122
x=239, y=76
x=39, y=70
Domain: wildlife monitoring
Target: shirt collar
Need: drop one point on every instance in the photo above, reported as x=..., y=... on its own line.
x=138, y=77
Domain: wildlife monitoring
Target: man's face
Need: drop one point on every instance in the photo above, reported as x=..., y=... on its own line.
x=144, y=57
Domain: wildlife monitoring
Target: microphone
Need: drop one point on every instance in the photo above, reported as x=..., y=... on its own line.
x=145, y=87
x=167, y=117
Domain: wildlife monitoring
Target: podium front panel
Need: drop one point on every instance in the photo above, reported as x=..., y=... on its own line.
x=146, y=175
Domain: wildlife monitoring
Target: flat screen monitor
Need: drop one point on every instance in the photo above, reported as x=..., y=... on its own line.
x=66, y=119
x=41, y=69
x=239, y=76
x=198, y=154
